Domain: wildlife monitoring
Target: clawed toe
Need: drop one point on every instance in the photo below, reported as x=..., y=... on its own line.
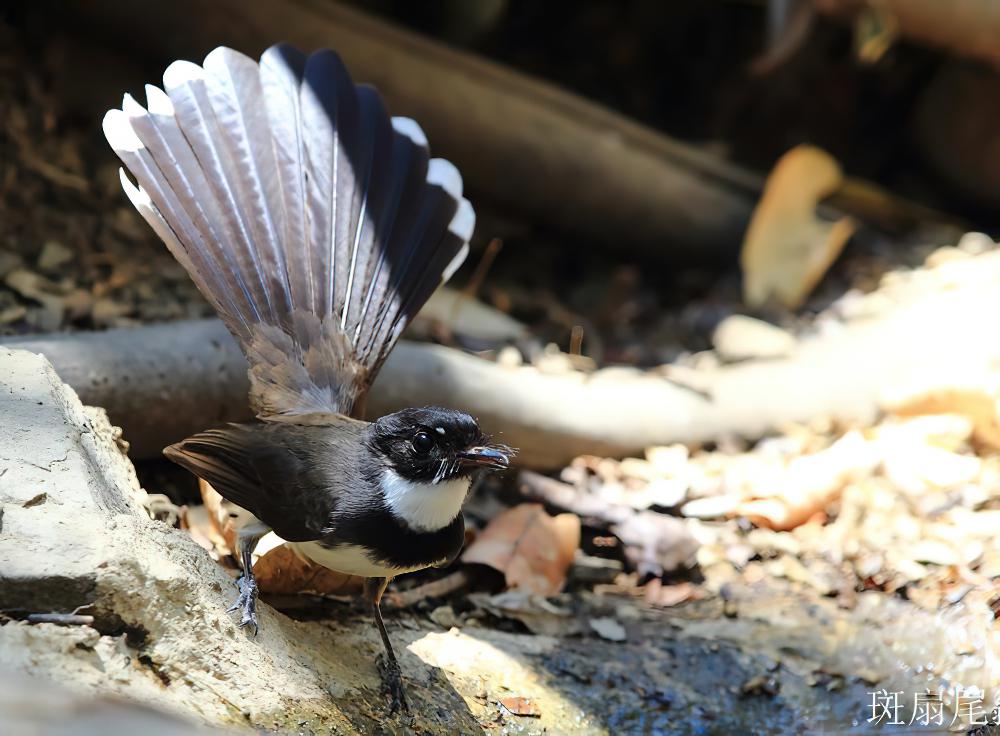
x=247, y=603
x=392, y=681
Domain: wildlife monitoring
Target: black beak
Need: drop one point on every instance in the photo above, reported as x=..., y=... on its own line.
x=492, y=457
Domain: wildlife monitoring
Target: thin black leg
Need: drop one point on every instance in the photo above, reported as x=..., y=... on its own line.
x=247, y=600
x=392, y=677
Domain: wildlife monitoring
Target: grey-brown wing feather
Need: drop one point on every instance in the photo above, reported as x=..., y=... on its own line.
x=279, y=472
x=315, y=224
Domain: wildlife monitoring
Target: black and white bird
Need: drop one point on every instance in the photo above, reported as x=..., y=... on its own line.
x=317, y=226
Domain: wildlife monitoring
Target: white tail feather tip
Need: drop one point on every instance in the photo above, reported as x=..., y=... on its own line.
x=180, y=73
x=119, y=133
x=131, y=107
x=157, y=101
x=223, y=59
x=444, y=174
x=455, y=263
x=411, y=129
x=464, y=221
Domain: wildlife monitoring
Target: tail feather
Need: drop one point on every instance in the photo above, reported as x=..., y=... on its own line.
x=175, y=214
x=235, y=91
x=372, y=171
x=211, y=130
x=329, y=119
x=282, y=69
x=179, y=184
x=316, y=224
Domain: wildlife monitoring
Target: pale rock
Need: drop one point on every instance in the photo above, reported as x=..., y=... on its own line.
x=633, y=467
x=106, y=311
x=32, y=286
x=510, y=357
x=915, y=469
x=770, y=541
x=668, y=459
x=711, y=507
x=54, y=255
x=667, y=492
x=976, y=243
x=608, y=628
x=946, y=431
x=739, y=337
x=934, y=552
x=946, y=254
x=445, y=617
x=738, y=555
x=910, y=570
x=972, y=551
x=627, y=612
x=554, y=361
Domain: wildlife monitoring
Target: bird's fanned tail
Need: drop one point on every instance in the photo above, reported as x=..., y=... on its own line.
x=315, y=224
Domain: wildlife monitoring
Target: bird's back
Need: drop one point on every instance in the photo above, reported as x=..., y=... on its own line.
x=296, y=478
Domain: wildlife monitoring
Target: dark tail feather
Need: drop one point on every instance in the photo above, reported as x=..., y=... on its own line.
x=315, y=224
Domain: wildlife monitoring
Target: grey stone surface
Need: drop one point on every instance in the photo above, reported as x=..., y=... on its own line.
x=60, y=475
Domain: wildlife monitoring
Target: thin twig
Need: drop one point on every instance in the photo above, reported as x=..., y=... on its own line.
x=60, y=619
x=482, y=268
x=576, y=340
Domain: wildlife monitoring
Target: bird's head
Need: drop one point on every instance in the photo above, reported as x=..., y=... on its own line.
x=427, y=458
x=432, y=444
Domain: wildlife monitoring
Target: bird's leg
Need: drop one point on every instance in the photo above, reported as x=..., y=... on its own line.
x=247, y=539
x=392, y=678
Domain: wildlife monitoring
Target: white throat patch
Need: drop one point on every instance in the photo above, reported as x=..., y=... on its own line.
x=425, y=507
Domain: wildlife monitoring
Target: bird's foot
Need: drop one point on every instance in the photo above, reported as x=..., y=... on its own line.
x=247, y=602
x=392, y=681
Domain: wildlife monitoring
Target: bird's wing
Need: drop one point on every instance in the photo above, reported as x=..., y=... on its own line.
x=274, y=470
x=315, y=224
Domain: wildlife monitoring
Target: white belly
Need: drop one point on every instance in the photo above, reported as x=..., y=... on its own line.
x=348, y=558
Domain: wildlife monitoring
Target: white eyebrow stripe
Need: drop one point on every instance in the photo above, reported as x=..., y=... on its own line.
x=439, y=430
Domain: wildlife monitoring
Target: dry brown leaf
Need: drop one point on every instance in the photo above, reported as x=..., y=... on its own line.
x=521, y=706
x=608, y=628
x=224, y=515
x=810, y=483
x=537, y=613
x=532, y=549
x=195, y=519
x=787, y=248
x=282, y=571
x=975, y=404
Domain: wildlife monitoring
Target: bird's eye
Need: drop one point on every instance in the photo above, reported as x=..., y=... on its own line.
x=422, y=442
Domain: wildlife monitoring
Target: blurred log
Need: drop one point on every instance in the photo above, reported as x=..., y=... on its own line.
x=969, y=28
x=163, y=382
x=519, y=142
x=160, y=383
